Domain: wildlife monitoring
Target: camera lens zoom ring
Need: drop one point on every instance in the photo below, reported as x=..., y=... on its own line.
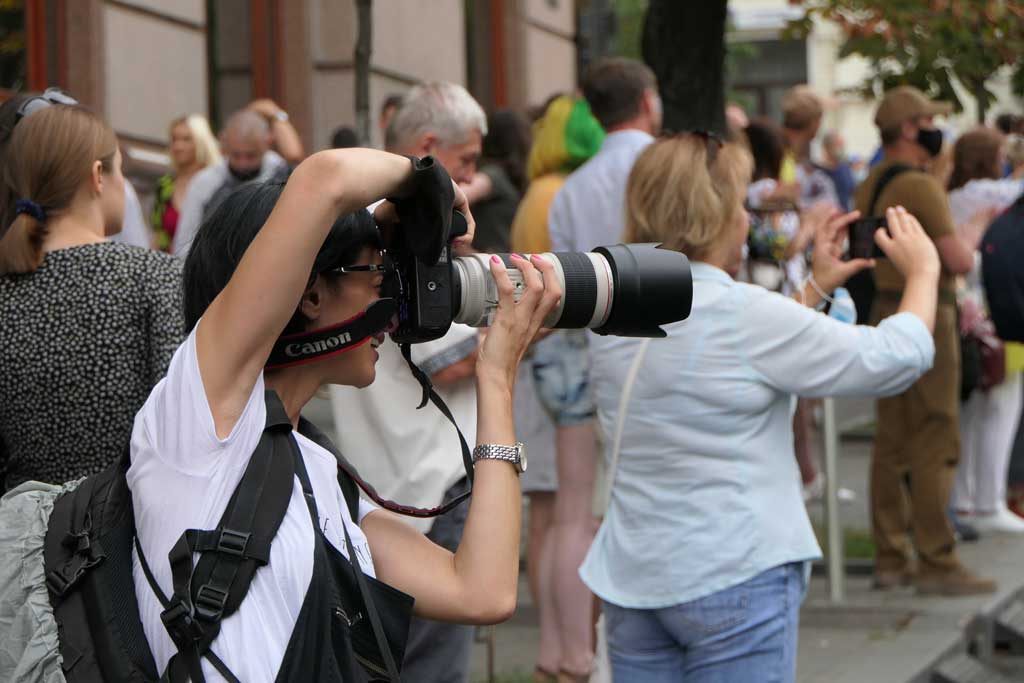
x=580, y=294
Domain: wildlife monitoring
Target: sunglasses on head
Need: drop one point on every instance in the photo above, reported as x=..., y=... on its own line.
x=50, y=97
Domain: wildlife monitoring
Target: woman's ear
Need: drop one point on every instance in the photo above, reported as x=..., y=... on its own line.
x=96, y=177
x=310, y=305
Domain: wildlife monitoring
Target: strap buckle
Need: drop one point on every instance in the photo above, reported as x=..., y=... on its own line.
x=180, y=625
x=233, y=542
x=209, y=602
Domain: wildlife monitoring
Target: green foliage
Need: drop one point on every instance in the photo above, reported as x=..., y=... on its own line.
x=928, y=43
x=629, y=20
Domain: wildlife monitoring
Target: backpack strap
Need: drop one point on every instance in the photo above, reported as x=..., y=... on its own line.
x=357, y=568
x=214, y=588
x=887, y=177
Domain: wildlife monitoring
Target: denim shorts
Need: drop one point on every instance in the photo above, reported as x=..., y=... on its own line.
x=561, y=373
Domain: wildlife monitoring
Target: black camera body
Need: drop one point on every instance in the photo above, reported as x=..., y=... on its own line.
x=423, y=290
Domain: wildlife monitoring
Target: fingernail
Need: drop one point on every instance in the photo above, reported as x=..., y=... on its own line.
x=536, y=258
x=495, y=259
x=518, y=256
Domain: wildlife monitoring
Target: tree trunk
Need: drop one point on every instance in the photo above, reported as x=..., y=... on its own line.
x=364, y=48
x=684, y=43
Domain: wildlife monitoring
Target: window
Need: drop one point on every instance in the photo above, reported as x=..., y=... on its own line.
x=31, y=51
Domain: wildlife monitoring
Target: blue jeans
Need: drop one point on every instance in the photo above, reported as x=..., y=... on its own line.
x=743, y=634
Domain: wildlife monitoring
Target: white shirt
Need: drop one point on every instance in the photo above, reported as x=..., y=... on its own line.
x=182, y=476
x=410, y=456
x=588, y=211
x=202, y=189
x=707, y=490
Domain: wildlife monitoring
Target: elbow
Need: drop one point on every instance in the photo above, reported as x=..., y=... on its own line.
x=495, y=608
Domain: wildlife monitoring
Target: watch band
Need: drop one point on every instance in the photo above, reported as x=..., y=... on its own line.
x=512, y=454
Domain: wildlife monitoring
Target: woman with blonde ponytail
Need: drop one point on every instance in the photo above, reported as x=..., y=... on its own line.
x=86, y=327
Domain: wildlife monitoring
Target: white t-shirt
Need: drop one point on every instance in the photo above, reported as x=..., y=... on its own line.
x=410, y=456
x=181, y=478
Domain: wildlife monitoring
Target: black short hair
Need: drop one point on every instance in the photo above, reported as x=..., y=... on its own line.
x=224, y=236
x=1008, y=123
x=614, y=88
x=344, y=136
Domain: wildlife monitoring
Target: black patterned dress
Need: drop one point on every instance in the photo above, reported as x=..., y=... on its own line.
x=83, y=340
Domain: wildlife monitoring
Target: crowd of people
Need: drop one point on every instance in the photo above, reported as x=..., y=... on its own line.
x=667, y=478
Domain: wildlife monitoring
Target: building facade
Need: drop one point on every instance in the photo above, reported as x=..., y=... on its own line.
x=142, y=63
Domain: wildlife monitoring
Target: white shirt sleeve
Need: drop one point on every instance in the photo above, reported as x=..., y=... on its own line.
x=800, y=351
x=199, y=192
x=177, y=424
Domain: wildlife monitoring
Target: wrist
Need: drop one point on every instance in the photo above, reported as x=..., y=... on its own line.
x=494, y=380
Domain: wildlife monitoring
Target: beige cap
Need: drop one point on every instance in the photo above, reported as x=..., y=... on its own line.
x=801, y=107
x=905, y=103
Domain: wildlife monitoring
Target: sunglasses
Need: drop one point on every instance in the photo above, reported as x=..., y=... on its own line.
x=50, y=97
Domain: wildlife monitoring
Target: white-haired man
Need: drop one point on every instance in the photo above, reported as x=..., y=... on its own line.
x=413, y=456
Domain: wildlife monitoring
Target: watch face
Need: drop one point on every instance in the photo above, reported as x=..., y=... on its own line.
x=522, y=458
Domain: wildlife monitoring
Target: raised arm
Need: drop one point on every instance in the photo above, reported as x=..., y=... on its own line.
x=477, y=583
x=238, y=330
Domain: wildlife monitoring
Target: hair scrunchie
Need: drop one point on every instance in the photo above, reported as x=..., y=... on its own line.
x=31, y=208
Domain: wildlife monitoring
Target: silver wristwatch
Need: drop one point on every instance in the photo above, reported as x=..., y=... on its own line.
x=513, y=454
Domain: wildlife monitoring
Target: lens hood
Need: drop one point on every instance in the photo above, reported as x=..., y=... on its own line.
x=653, y=287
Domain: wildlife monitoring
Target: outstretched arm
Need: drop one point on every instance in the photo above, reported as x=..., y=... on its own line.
x=238, y=330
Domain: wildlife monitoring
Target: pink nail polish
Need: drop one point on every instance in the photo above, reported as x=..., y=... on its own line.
x=495, y=259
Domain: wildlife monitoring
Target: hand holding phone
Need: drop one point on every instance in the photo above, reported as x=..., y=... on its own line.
x=862, y=237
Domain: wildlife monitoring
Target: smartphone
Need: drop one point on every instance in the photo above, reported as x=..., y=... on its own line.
x=862, y=237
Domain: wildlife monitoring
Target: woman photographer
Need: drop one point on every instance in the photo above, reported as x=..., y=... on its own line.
x=87, y=328
x=271, y=262
x=702, y=558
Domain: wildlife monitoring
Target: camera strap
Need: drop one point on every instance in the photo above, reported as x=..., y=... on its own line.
x=314, y=345
x=429, y=394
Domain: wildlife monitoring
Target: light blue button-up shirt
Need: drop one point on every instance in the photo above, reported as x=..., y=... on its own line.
x=588, y=211
x=707, y=490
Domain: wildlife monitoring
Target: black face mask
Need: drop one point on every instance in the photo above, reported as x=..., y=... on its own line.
x=243, y=176
x=931, y=140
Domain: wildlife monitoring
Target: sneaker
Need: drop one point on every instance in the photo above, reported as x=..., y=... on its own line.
x=1001, y=521
x=965, y=532
x=955, y=582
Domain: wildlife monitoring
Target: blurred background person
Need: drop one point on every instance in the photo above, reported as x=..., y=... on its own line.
x=990, y=414
x=192, y=148
x=87, y=327
x=392, y=103
x=780, y=236
x=344, y=137
x=565, y=136
x=802, y=111
x=702, y=560
x=839, y=168
x=917, y=435
x=249, y=141
x=496, y=188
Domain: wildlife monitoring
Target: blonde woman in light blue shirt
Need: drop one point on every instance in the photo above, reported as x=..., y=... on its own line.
x=701, y=560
